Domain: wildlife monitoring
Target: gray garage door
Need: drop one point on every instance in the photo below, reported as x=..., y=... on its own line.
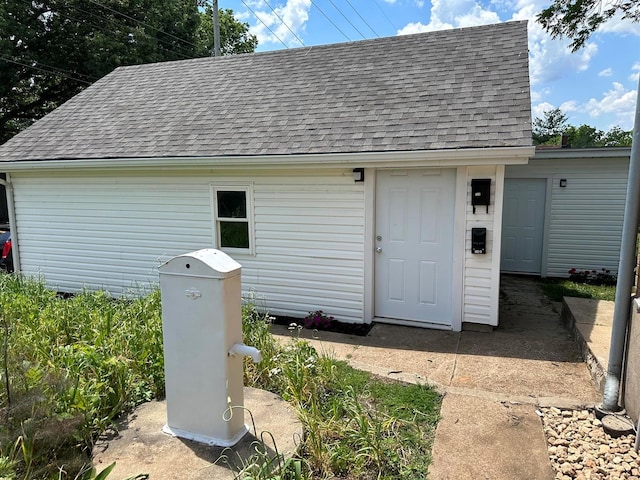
x=523, y=225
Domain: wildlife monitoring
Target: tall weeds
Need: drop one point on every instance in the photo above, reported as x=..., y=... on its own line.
x=70, y=367
x=356, y=425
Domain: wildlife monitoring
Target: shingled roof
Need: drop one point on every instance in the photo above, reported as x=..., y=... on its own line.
x=453, y=89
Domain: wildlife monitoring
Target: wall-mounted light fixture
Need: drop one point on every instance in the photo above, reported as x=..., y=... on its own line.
x=563, y=182
x=358, y=174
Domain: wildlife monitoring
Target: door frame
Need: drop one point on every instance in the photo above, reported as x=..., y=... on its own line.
x=456, y=287
x=547, y=215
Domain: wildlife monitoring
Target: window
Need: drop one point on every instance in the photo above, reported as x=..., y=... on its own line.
x=233, y=212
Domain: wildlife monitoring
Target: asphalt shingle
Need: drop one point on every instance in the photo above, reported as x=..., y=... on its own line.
x=465, y=88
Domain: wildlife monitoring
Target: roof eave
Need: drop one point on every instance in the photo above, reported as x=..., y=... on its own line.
x=582, y=153
x=432, y=158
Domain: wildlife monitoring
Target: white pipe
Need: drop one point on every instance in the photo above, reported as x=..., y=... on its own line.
x=626, y=266
x=15, y=252
x=245, y=351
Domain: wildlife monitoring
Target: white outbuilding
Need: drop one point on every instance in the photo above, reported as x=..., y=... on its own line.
x=365, y=179
x=564, y=210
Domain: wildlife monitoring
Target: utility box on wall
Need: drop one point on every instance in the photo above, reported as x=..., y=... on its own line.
x=480, y=193
x=478, y=240
x=202, y=322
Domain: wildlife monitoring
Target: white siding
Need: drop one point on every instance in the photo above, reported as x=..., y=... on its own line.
x=112, y=231
x=480, y=277
x=584, y=225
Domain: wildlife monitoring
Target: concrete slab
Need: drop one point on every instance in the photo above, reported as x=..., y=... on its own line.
x=140, y=446
x=488, y=439
x=426, y=355
x=593, y=320
x=517, y=365
x=590, y=322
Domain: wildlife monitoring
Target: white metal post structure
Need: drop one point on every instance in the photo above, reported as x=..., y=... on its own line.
x=202, y=332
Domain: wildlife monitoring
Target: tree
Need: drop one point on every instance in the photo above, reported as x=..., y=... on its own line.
x=584, y=136
x=616, y=137
x=578, y=19
x=52, y=49
x=234, y=36
x=548, y=129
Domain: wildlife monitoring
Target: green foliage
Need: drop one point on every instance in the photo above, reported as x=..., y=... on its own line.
x=234, y=35
x=356, y=425
x=52, y=49
x=556, y=288
x=585, y=136
x=616, y=137
x=549, y=128
x=578, y=19
x=73, y=365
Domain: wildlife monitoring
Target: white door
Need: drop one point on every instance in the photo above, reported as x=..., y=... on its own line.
x=523, y=225
x=414, y=246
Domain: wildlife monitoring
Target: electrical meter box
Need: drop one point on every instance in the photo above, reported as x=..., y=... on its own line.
x=201, y=322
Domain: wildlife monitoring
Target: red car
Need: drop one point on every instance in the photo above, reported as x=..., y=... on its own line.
x=6, y=259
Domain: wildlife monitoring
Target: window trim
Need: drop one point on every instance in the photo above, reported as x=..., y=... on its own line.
x=233, y=187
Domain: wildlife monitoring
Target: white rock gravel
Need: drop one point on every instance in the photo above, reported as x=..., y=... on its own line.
x=579, y=449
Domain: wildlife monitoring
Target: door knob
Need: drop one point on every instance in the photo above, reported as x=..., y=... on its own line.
x=378, y=249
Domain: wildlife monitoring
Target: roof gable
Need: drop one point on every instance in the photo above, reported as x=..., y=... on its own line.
x=465, y=88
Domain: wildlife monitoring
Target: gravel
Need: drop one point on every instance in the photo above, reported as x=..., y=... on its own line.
x=579, y=449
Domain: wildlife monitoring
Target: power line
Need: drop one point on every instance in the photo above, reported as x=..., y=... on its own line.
x=327, y=17
x=101, y=28
x=34, y=67
x=344, y=16
x=284, y=23
x=384, y=14
x=143, y=23
x=267, y=26
x=361, y=18
x=180, y=53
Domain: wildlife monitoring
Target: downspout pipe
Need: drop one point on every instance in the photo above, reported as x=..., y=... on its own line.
x=12, y=222
x=622, y=308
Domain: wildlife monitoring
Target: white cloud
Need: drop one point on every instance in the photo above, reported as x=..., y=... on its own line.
x=618, y=102
x=607, y=72
x=447, y=14
x=294, y=15
x=538, y=110
x=536, y=96
x=618, y=25
x=551, y=59
x=569, y=106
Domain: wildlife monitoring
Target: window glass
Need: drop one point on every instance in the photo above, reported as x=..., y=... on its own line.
x=234, y=234
x=232, y=204
x=233, y=212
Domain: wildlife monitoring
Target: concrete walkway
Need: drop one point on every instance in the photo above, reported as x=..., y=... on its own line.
x=493, y=382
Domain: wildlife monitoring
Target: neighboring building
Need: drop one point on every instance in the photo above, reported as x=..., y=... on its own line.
x=340, y=176
x=565, y=210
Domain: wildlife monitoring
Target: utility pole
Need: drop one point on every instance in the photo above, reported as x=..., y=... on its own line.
x=216, y=29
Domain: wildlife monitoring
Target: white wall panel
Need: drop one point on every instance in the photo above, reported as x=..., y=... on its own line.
x=112, y=231
x=480, y=301
x=584, y=225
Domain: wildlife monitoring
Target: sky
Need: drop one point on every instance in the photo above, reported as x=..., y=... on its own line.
x=595, y=86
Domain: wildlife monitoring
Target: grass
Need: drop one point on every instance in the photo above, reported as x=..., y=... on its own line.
x=70, y=367
x=556, y=288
